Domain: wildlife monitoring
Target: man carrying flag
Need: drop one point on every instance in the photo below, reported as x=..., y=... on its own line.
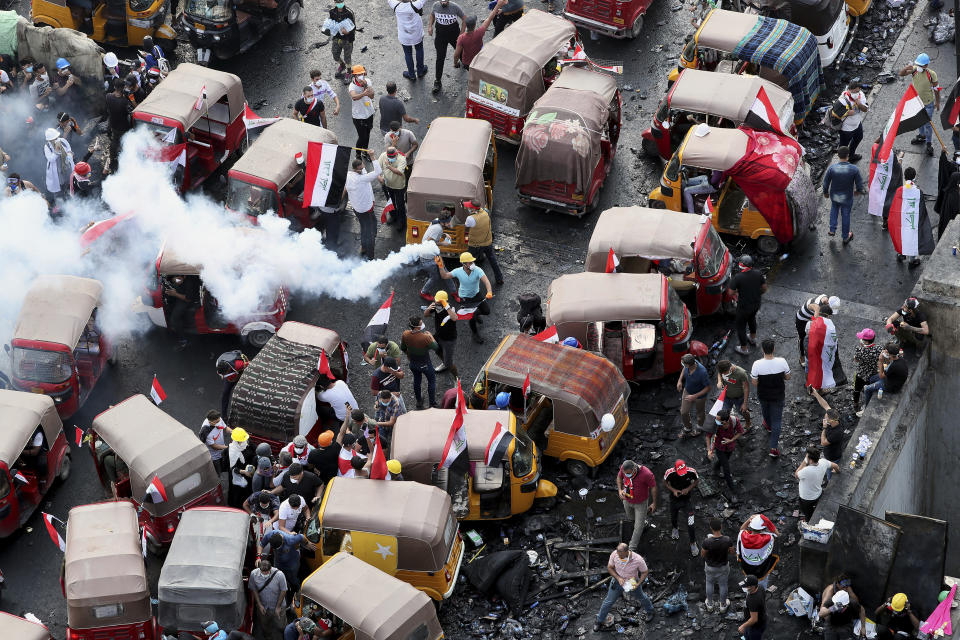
x=821, y=350
x=884, y=176
x=927, y=88
x=909, y=224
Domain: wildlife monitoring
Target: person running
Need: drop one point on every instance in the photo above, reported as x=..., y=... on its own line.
x=470, y=277
x=342, y=41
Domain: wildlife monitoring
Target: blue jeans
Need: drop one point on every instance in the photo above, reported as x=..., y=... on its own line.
x=368, y=232
x=696, y=185
x=422, y=368
x=876, y=384
x=844, y=211
x=408, y=56
x=772, y=412
x=926, y=130
x=434, y=282
x=615, y=591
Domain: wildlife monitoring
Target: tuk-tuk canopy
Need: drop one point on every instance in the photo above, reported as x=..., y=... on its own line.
x=653, y=234
x=723, y=30
x=605, y=297
x=57, y=308
x=12, y=626
x=727, y=95
x=202, y=575
x=104, y=576
x=416, y=514
x=449, y=165
x=272, y=156
x=152, y=443
x=20, y=415
x=719, y=150
x=588, y=384
x=376, y=605
x=179, y=253
x=513, y=61
x=422, y=436
x=311, y=335
x=561, y=136
x=176, y=96
x=818, y=16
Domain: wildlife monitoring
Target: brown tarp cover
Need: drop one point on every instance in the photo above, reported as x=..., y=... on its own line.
x=727, y=95
x=449, y=166
x=311, y=335
x=152, y=443
x=605, y=297
x=272, y=156
x=175, y=96
x=585, y=80
x=720, y=149
x=723, y=30
x=642, y=232
x=561, y=137
x=513, y=60
x=104, y=566
x=376, y=605
x=46, y=44
x=420, y=436
x=416, y=514
x=581, y=379
x=20, y=415
x=57, y=308
x=12, y=626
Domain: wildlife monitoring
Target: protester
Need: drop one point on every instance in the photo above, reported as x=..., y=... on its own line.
x=909, y=324
x=891, y=374
x=909, y=224
x=840, y=182
x=393, y=168
x=831, y=433
x=716, y=550
x=728, y=431
x=68, y=126
x=895, y=619
x=392, y=108
x=321, y=89
x=436, y=233
x=839, y=613
x=309, y=108
x=734, y=384
x=470, y=277
x=341, y=46
x=755, y=543
x=637, y=488
x=59, y=161
x=851, y=129
x=924, y=81
x=394, y=468
x=510, y=12
x=337, y=395
x=299, y=449
x=66, y=85
x=680, y=480
x=285, y=549
x=382, y=347
x=118, y=118
x=361, y=108
x=470, y=42
x=16, y=185
x=417, y=344
x=805, y=314
x=230, y=366
x=447, y=17
x=182, y=295
x=359, y=187
x=268, y=590
x=214, y=433
x=240, y=464
x=404, y=140
x=865, y=359
x=323, y=459
x=302, y=629
x=824, y=368
x=481, y=236
x=628, y=571
x=265, y=506
x=750, y=285
x=290, y=510
x=387, y=376
x=410, y=34
x=755, y=611
x=80, y=184
x=445, y=330
x=810, y=475
x=284, y=462
x=693, y=385
x=388, y=409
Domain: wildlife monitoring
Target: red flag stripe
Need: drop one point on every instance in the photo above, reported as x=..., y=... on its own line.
x=52, y=531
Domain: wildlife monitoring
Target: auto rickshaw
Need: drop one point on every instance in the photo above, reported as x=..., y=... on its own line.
x=211, y=133
x=405, y=529
x=12, y=626
x=828, y=20
x=57, y=347
x=228, y=28
x=569, y=142
x=457, y=162
x=267, y=177
x=493, y=492
x=515, y=68
x=161, y=448
x=25, y=478
x=636, y=320
x=718, y=99
x=104, y=577
x=733, y=213
x=616, y=19
x=181, y=256
x=367, y=604
x=686, y=249
x=204, y=576
x=274, y=399
x=115, y=22
x=750, y=39
x=571, y=390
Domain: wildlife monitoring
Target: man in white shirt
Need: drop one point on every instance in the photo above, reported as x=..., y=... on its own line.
x=810, y=473
x=338, y=395
x=361, y=107
x=289, y=512
x=851, y=129
x=299, y=449
x=410, y=34
x=359, y=189
x=215, y=433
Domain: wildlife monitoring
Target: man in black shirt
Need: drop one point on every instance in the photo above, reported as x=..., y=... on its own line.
x=342, y=40
x=838, y=614
x=892, y=373
x=909, y=324
x=119, y=109
x=831, y=435
x=303, y=483
x=322, y=460
x=755, y=612
x=716, y=550
x=387, y=377
x=680, y=481
x=181, y=296
x=310, y=109
x=445, y=332
x=750, y=285
x=895, y=619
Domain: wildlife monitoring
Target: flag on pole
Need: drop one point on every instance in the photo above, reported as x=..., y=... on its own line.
x=456, y=446
x=378, y=468
x=821, y=351
x=762, y=115
x=19, y=477
x=52, y=530
x=526, y=386
x=97, y=229
x=377, y=326
x=327, y=166
x=198, y=105
x=718, y=405
x=498, y=445
x=252, y=121
x=548, y=335
x=79, y=435
x=323, y=365
x=157, y=392
x=386, y=211
x=909, y=115
x=708, y=206
x=908, y=222
x=883, y=176
x=950, y=113
x=143, y=541
x=613, y=262
x=156, y=492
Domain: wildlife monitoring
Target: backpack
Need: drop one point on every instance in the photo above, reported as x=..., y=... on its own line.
x=838, y=112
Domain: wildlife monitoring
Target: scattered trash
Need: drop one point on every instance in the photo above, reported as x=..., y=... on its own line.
x=819, y=532
x=677, y=602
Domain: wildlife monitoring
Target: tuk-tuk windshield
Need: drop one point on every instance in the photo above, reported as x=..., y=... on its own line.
x=162, y=134
x=710, y=258
x=522, y=459
x=50, y=367
x=673, y=321
x=663, y=112
x=4, y=485
x=214, y=10
x=250, y=198
x=672, y=172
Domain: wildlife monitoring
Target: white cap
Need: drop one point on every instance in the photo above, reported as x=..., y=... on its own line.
x=756, y=523
x=834, y=303
x=841, y=598
x=110, y=59
x=51, y=134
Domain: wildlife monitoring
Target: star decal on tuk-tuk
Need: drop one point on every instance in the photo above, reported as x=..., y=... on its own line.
x=383, y=550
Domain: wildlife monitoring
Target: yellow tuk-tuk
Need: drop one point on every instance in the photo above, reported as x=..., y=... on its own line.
x=123, y=23
x=104, y=578
x=456, y=162
x=364, y=603
x=571, y=392
x=405, y=529
x=495, y=492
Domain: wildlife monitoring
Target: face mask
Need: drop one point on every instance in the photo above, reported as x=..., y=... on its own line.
x=308, y=99
x=359, y=78
x=29, y=69
x=745, y=589
x=384, y=404
x=725, y=376
x=242, y=445
x=719, y=423
x=339, y=5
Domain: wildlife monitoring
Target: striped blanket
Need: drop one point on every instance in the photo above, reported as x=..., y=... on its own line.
x=791, y=51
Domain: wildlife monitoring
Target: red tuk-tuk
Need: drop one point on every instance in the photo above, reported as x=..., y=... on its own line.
x=685, y=248
x=128, y=459
x=58, y=349
x=183, y=258
x=12, y=626
x=25, y=477
x=614, y=18
x=274, y=399
x=569, y=142
x=104, y=577
x=267, y=177
x=199, y=107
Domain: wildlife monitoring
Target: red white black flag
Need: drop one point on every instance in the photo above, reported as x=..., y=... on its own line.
x=498, y=445
x=908, y=223
x=327, y=166
x=762, y=115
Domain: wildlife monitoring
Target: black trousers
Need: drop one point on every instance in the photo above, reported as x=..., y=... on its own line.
x=445, y=36
x=723, y=458
x=363, y=126
x=181, y=316
x=503, y=20
x=483, y=309
x=851, y=138
x=746, y=318
x=801, y=334
x=682, y=504
x=331, y=224
x=807, y=507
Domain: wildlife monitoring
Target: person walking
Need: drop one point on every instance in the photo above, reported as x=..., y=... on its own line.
x=840, y=182
x=393, y=167
x=470, y=42
x=393, y=110
x=284, y=548
x=680, y=480
x=755, y=542
x=755, y=611
x=59, y=157
x=447, y=19
x=309, y=108
x=750, y=285
x=480, y=228
x=734, y=383
x=810, y=476
x=510, y=12
x=927, y=86
x=693, y=385
x=470, y=277
x=382, y=347
x=805, y=314
x=321, y=89
x=865, y=361
x=445, y=330
x=359, y=188
x=728, y=431
x=769, y=375
x=361, y=108
x=341, y=45
x=637, y=488
x=716, y=550
x=410, y=34
x=627, y=570
x=417, y=344
x=268, y=590
x=851, y=129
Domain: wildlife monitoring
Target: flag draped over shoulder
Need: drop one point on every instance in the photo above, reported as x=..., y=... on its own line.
x=908, y=222
x=821, y=351
x=884, y=174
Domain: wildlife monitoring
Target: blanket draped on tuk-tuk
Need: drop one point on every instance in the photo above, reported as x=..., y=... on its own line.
x=772, y=177
x=789, y=50
x=46, y=44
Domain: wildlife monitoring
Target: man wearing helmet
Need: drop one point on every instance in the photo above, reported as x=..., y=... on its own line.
x=749, y=285
x=473, y=301
x=80, y=184
x=924, y=81
x=66, y=85
x=895, y=619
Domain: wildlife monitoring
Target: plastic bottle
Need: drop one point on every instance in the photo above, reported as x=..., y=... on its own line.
x=853, y=462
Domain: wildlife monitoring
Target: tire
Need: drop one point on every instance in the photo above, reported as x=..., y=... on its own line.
x=293, y=12
x=577, y=468
x=64, y=472
x=650, y=148
x=657, y=204
x=768, y=245
x=244, y=144
x=594, y=202
x=258, y=339
x=637, y=28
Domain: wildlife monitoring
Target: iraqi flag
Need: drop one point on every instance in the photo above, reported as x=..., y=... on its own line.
x=157, y=392
x=456, y=447
x=201, y=99
x=762, y=115
x=718, y=405
x=908, y=222
x=613, y=262
x=378, y=468
x=548, y=335
x=378, y=324
x=343, y=461
x=909, y=115
x=821, y=352
x=327, y=166
x=883, y=175
x=387, y=210
x=79, y=436
x=97, y=229
x=950, y=113
x=323, y=365
x=52, y=530
x=498, y=445
x=252, y=121
x=156, y=492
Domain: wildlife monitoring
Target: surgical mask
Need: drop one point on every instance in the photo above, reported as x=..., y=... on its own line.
x=719, y=422
x=745, y=589
x=308, y=99
x=339, y=5
x=359, y=77
x=384, y=404
x=29, y=69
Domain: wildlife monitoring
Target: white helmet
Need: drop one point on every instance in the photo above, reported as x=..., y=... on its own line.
x=51, y=134
x=110, y=60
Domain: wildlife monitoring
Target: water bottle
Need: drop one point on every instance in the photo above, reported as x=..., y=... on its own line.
x=853, y=462
x=879, y=394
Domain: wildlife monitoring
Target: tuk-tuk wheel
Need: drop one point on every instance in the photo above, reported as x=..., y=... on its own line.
x=577, y=468
x=64, y=472
x=768, y=245
x=637, y=27
x=293, y=12
x=657, y=204
x=258, y=339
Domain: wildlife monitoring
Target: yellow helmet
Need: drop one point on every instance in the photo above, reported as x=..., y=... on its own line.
x=240, y=435
x=393, y=466
x=441, y=296
x=466, y=256
x=897, y=602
